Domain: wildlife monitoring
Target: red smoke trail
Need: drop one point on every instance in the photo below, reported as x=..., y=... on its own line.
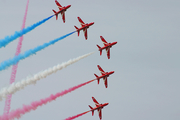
x=14, y=68
x=33, y=106
x=78, y=115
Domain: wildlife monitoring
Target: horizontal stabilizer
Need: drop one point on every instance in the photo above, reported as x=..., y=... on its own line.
x=97, y=78
x=77, y=30
x=100, y=49
x=92, y=110
x=55, y=14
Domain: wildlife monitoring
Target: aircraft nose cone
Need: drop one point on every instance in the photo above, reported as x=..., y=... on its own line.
x=112, y=72
x=69, y=6
x=92, y=23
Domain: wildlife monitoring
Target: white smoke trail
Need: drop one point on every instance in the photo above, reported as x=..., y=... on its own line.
x=14, y=87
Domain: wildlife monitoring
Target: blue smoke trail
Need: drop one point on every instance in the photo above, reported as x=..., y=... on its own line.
x=8, y=39
x=26, y=54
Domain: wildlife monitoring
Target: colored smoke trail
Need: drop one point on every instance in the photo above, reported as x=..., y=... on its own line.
x=33, y=106
x=14, y=87
x=14, y=68
x=16, y=59
x=8, y=39
x=78, y=115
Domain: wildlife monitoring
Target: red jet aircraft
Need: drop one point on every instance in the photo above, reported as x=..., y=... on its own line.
x=84, y=27
x=98, y=107
x=61, y=10
x=104, y=75
x=107, y=46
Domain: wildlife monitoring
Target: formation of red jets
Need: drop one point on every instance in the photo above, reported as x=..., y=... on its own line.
x=107, y=46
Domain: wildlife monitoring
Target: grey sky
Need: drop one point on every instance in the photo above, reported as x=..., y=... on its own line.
x=145, y=85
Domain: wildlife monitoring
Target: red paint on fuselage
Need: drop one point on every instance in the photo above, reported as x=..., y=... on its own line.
x=106, y=74
x=99, y=106
x=63, y=9
x=87, y=25
x=108, y=45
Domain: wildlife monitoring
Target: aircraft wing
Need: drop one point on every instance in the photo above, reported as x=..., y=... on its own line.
x=95, y=101
x=85, y=33
x=100, y=113
x=108, y=52
x=105, y=81
x=63, y=16
x=58, y=4
x=104, y=41
x=101, y=70
x=81, y=22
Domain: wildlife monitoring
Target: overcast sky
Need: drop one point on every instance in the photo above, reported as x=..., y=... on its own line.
x=145, y=85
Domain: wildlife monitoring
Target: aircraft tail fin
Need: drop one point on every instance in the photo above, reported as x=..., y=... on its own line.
x=77, y=30
x=97, y=78
x=55, y=14
x=100, y=49
x=92, y=110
